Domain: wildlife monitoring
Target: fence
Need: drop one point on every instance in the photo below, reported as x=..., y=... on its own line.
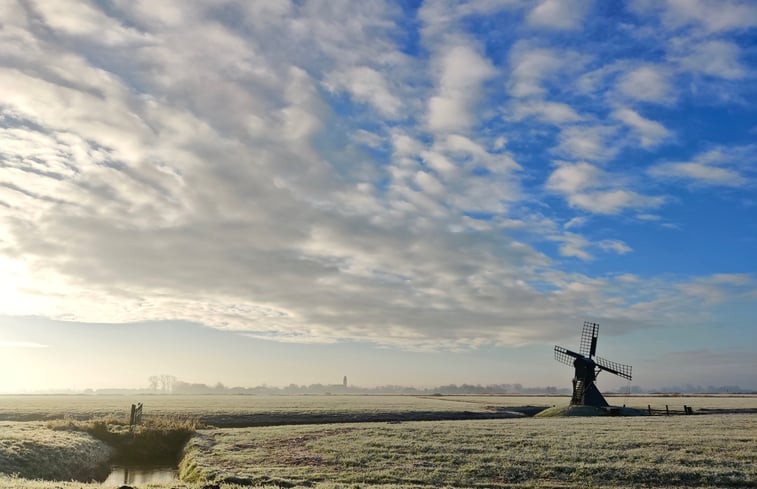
x=669, y=412
x=136, y=415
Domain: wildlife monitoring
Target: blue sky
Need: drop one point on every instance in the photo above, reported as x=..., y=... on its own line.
x=418, y=183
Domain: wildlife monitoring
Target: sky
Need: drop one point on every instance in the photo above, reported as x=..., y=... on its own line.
x=413, y=193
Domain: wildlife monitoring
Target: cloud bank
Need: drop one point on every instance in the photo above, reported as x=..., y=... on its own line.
x=319, y=171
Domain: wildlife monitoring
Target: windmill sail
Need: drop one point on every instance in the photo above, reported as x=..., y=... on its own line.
x=614, y=367
x=588, y=345
x=565, y=356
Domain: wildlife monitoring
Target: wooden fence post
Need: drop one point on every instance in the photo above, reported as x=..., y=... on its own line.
x=649, y=408
x=667, y=411
x=136, y=415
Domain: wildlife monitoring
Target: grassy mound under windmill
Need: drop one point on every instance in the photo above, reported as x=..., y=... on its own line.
x=573, y=410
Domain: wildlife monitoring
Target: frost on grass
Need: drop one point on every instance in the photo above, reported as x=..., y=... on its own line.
x=209, y=408
x=33, y=451
x=690, y=451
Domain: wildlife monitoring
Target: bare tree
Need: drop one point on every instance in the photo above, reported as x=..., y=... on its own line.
x=167, y=383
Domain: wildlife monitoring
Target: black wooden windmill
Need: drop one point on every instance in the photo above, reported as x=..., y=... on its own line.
x=588, y=365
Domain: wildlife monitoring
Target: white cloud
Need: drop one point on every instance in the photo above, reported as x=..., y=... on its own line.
x=558, y=14
x=589, y=188
x=574, y=245
x=553, y=112
x=717, y=167
x=573, y=178
x=367, y=85
x=615, y=245
x=577, y=246
x=440, y=163
x=713, y=15
x=440, y=17
x=714, y=58
x=454, y=174
x=647, y=84
x=368, y=138
x=83, y=19
x=429, y=183
x=461, y=72
x=596, y=143
x=734, y=279
x=595, y=81
x=708, y=293
x=613, y=201
x=650, y=133
x=530, y=67
x=575, y=222
x=701, y=173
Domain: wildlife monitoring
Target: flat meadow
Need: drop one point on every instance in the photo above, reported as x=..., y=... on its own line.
x=690, y=451
x=44, y=407
x=41, y=438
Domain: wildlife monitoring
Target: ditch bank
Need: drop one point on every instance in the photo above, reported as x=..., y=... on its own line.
x=106, y=450
x=35, y=451
x=145, y=445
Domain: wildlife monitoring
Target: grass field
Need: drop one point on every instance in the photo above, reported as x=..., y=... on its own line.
x=690, y=451
x=716, y=450
x=49, y=407
x=35, y=408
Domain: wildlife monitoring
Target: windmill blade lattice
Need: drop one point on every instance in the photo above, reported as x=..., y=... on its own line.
x=588, y=345
x=614, y=367
x=565, y=356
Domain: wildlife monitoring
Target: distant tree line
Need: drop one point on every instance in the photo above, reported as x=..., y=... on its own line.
x=187, y=388
x=699, y=389
x=168, y=384
x=164, y=383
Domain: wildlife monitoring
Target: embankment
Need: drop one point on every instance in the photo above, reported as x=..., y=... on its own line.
x=34, y=451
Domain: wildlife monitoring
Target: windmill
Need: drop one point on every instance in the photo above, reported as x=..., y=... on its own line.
x=588, y=366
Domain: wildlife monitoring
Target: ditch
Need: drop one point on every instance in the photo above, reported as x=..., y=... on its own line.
x=140, y=475
x=145, y=454
x=149, y=454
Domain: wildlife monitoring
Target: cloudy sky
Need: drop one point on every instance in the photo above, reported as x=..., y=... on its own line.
x=402, y=192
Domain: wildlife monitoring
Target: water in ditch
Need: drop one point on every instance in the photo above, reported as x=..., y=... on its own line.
x=140, y=475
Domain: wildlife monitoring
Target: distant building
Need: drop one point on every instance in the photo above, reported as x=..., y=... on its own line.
x=344, y=381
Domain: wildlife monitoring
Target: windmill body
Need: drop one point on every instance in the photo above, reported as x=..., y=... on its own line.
x=587, y=366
